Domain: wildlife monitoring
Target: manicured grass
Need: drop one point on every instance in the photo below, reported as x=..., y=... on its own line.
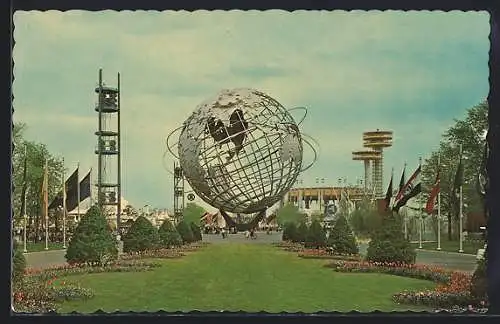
x=452, y=246
x=40, y=246
x=248, y=277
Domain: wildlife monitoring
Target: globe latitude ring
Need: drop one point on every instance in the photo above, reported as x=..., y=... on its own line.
x=191, y=197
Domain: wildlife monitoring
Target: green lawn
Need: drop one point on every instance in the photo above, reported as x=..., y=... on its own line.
x=452, y=246
x=40, y=246
x=248, y=277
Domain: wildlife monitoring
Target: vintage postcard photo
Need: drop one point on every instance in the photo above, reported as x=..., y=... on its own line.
x=249, y=161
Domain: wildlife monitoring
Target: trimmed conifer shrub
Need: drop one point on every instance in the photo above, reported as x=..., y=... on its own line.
x=302, y=232
x=341, y=239
x=141, y=236
x=316, y=236
x=388, y=244
x=18, y=263
x=195, y=229
x=168, y=235
x=92, y=242
x=289, y=232
x=479, y=282
x=185, y=232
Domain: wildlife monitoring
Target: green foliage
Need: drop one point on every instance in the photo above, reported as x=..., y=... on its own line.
x=302, y=232
x=141, y=236
x=195, y=229
x=18, y=263
x=316, y=236
x=290, y=232
x=365, y=219
x=341, y=238
x=92, y=242
x=168, y=235
x=388, y=244
x=479, y=282
x=192, y=213
x=185, y=232
x=289, y=213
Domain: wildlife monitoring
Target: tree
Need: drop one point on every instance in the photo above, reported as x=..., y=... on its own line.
x=195, y=229
x=316, y=236
x=36, y=154
x=18, y=263
x=290, y=213
x=168, y=235
x=131, y=211
x=92, y=242
x=365, y=219
x=141, y=236
x=302, y=232
x=192, y=213
x=185, y=232
x=470, y=133
x=341, y=238
x=388, y=244
x=290, y=232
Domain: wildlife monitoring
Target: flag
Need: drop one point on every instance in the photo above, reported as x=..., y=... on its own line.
x=45, y=191
x=412, y=188
x=85, y=187
x=457, y=184
x=388, y=195
x=431, y=201
x=71, y=193
x=482, y=175
x=402, y=180
x=24, y=189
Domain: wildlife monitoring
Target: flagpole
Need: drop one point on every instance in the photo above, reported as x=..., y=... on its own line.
x=64, y=205
x=46, y=205
x=421, y=216
x=439, y=202
x=461, y=250
x=78, y=190
x=25, y=221
x=90, y=183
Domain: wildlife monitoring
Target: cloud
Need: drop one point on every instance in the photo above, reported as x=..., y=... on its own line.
x=410, y=72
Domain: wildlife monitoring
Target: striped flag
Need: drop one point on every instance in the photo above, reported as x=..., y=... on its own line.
x=431, y=201
x=412, y=188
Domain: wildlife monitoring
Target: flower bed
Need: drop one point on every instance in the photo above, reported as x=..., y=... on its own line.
x=453, y=287
x=290, y=246
x=154, y=254
x=193, y=246
x=324, y=254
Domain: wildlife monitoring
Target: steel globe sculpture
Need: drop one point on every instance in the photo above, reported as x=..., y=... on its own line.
x=241, y=151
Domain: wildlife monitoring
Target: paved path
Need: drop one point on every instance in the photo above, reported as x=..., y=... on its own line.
x=450, y=260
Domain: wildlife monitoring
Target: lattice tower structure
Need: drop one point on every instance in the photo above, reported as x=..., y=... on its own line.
x=378, y=141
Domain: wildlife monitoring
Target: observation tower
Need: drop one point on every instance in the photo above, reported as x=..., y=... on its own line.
x=378, y=141
x=367, y=157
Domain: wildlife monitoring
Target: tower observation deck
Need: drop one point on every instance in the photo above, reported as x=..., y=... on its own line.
x=377, y=141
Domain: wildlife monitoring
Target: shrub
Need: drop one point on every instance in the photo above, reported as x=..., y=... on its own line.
x=92, y=242
x=195, y=229
x=18, y=263
x=479, y=282
x=302, y=232
x=341, y=239
x=290, y=232
x=168, y=235
x=388, y=244
x=141, y=236
x=185, y=232
x=316, y=237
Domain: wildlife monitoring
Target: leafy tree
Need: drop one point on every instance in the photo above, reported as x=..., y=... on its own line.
x=302, y=232
x=316, y=236
x=470, y=133
x=290, y=213
x=388, y=244
x=168, y=235
x=290, y=232
x=192, y=213
x=18, y=263
x=92, y=242
x=341, y=238
x=141, y=236
x=365, y=219
x=131, y=211
x=185, y=232
x=195, y=229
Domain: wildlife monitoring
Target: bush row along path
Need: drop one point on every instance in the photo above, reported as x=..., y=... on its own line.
x=463, y=262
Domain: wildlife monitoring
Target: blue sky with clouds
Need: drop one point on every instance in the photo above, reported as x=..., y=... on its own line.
x=409, y=72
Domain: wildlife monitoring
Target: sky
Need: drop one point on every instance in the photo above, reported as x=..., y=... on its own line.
x=409, y=72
